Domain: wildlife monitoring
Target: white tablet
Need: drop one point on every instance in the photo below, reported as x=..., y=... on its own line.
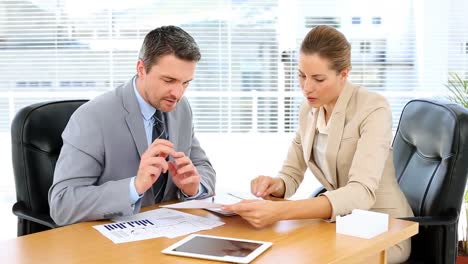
x=218, y=248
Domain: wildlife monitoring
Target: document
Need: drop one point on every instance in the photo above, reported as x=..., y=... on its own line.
x=210, y=203
x=161, y=222
x=193, y=204
x=214, y=203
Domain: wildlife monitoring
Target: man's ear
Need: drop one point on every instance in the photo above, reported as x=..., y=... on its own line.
x=141, y=71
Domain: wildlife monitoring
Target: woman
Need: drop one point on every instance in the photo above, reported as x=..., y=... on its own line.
x=344, y=138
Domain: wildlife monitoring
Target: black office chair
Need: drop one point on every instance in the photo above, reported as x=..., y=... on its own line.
x=431, y=162
x=36, y=142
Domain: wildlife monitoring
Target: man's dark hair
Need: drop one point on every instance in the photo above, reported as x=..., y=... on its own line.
x=168, y=40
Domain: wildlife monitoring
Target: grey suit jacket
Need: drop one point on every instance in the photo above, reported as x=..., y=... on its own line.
x=358, y=153
x=102, y=146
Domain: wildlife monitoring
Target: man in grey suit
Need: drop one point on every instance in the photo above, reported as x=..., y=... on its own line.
x=134, y=146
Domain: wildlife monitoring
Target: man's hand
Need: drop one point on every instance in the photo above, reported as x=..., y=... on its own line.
x=184, y=174
x=152, y=163
x=264, y=186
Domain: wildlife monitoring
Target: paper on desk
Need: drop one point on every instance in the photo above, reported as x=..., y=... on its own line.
x=192, y=204
x=208, y=203
x=229, y=198
x=155, y=223
x=362, y=223
x=243, y=195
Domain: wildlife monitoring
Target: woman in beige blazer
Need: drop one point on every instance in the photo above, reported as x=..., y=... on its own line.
x=344, y=138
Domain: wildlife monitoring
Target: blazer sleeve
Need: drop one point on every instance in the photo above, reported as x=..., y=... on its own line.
x=200, y=161
x=294, y=167
x=368, y=162
x=74, y=195
x=204, y=168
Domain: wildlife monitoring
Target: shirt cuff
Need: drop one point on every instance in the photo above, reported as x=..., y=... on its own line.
x=201, y=191
x=133, y=194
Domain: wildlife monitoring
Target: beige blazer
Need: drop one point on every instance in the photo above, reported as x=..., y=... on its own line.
x=359, y=155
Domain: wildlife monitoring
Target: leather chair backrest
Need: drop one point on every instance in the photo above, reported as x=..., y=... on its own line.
x=431, y=156
x=36, y=143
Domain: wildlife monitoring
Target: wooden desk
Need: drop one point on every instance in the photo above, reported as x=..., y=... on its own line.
x=298, y=241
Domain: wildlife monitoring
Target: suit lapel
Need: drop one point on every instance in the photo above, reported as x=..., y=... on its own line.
x=310, y=126
x=317, y=172
x=335, y=134
x=172, y=128
x=335, y=131
x=134, y=117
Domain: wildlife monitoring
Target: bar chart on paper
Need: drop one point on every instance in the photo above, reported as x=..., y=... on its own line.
x=129, y=224
x=155, y=223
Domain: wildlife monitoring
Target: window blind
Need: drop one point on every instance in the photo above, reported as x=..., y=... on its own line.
x=246, y=80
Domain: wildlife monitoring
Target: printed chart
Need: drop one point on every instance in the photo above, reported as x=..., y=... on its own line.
x=155, y=223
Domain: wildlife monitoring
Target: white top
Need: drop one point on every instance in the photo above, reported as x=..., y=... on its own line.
x=320, y=144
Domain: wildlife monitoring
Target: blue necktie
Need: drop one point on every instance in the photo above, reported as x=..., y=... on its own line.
x=159, y=132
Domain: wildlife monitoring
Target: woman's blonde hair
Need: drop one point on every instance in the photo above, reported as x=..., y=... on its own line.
x=328, y=43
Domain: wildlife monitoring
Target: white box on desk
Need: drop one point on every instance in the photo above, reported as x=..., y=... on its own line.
x=362, y=223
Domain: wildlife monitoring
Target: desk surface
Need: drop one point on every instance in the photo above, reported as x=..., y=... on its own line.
x=297, y=241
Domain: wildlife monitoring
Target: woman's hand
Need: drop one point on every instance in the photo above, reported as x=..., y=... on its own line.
x=259, y=213
x=264, y=186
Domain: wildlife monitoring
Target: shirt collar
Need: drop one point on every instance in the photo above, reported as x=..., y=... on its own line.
x=321, y=125
x=146, y=109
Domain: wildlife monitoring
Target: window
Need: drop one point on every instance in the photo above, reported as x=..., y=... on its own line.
x=356, y=20
x=376, y=20
x=246, y=78
x=364, y=47
x=312, y=21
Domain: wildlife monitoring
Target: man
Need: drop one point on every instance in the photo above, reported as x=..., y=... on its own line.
x=134, y=146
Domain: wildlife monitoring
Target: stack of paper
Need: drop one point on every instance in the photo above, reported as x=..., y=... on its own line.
x=155, y=223
x=361, y=223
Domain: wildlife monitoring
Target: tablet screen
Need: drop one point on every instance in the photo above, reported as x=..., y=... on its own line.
x=218, y=248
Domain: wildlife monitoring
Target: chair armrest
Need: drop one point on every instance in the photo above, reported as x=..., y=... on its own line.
x=22, y=212
x=317, y=192
x=445, y=220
